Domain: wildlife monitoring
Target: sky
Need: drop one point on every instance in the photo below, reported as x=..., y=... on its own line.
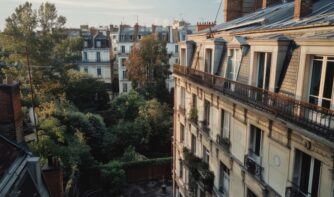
x=106, y=12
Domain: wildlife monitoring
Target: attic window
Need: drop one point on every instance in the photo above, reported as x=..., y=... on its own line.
x=98, y=44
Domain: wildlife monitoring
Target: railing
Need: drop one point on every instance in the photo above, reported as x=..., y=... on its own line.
x=294, y=191
x=224, y=142
x=253, y=167
x=314, y=118
x=205, y=127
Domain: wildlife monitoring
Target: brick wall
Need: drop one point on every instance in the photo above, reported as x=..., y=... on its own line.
x=302, y=8
x=290, y=80
x=11, y=118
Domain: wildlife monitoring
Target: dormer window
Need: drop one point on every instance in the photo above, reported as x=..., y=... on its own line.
x=321, y=83
x=263, y=70
x=98, y=44
x=232, y=64
x=208, y=61
x=85, y=43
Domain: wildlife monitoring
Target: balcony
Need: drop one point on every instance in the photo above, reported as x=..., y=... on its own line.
x=204, y=126
x=253, y=166
x=224, y=142
x=315, y=119
x=294, y=191
x=199, y=171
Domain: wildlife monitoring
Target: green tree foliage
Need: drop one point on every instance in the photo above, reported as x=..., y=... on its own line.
x=156, y=118
x=126, y=106
x=87, y=93
x=130, y=155
x=147, y=68
x=112, y=178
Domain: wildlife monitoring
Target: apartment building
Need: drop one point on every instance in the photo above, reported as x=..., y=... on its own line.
x=254, y=103
x=96, y=58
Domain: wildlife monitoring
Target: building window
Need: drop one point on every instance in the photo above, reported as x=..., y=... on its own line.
x=206, y=120
x=194, y=101
x=255, y=141
x=98, y=57
x=193, y=143
x=125, y=87
x=224, y=179
x=263, y=70
x=98, y=44
x=183, y=98
x=183, y=57
x=206, y=155
x=115, y=48
x=123, y=49
x=176, y=48
x=225, y=123
x=139, y=37
x=123, y=62
x=125, y=74
x=232, y=64
x=99, y=72
x=85, y=56
x=85, y=43
x=181, y=133
x=208, y=60
x=306, y=174
x=181, y=168
x=114, y=36
x=86, y=70
x=321, y=85
x=176, y=61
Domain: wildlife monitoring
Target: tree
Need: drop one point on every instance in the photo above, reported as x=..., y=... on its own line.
x=112, y=178
x=156, y=119
x=147, y=67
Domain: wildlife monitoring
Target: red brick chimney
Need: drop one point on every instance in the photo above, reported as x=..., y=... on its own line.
x=204, y=25
x=267, y=3
x=11, y=118
x=53, y=177
x=232, y=9
x=302, y=8
x=136, y=32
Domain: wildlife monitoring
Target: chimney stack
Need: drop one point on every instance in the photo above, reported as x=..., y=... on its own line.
x=267, y=3
x=136, y=32
x=204, y=25
x=302, y=8
x=232, y=9
x=11, y=118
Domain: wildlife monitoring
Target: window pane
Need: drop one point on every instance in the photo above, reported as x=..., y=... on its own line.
x=260, y=76
x=316, y=76
x=268, y=64
x=328, y=88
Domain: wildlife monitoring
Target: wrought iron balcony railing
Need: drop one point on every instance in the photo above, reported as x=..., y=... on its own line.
x=253, y=167
x=308, y=116
x=224, y=142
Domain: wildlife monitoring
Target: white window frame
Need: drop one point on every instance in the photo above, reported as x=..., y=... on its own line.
x=233, y=54
x=322, y=82
x=225, y=121
x=211, y=59
x=263, y=85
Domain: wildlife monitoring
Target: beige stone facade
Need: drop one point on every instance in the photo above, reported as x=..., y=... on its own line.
x=245, y=111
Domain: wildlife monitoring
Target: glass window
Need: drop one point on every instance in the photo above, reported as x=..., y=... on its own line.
x=123, y=49
x=125, y=74
x=123, y=62
x=206, y=155
x=206, y=113
x=193, y=143
x=225, y=124
x=183, y=98
x=263, y=70
x=321, y=84
x=255, y=144
x=98, y=44
x=85, y=56
x=85, y=43
x=176, y=48
x=224, y=179
x=98, y=57
x=233, y=61
x=306, y=174
x=181, y=133
x=125, y=87
x=99, y=72
x=208, y=60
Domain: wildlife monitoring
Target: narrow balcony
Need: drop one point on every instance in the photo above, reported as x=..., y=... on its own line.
x=224, y=142
x=315, y=119
x=204, y=126
x=253, y=166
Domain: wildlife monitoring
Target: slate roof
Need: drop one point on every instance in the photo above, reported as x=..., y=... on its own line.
x=280, y=16
x=9, y=153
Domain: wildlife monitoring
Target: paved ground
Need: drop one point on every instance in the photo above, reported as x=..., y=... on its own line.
x=148, y=189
